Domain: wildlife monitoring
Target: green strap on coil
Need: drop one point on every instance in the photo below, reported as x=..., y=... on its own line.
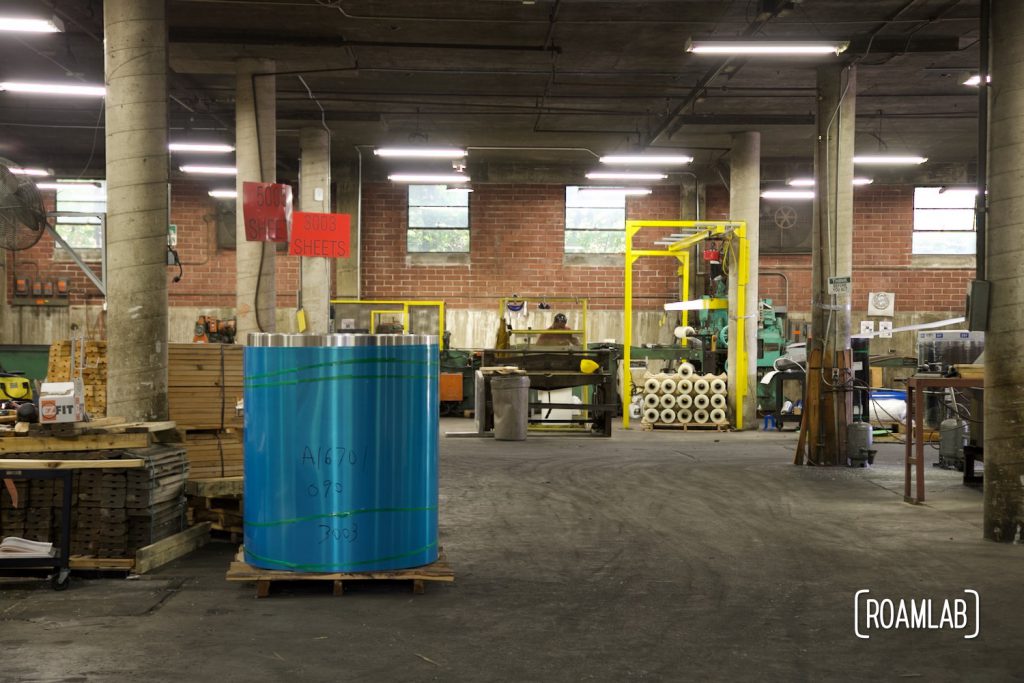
x=335, y=515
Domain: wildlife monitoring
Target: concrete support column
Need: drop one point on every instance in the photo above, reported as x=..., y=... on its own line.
x=135, y=39
x=315, y=196
x=1004, y=338
x=348, y=186
x=832, y=256
x=256, y=160
x=745, y=205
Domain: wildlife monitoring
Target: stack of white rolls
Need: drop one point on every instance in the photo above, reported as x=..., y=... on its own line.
x=684, y=397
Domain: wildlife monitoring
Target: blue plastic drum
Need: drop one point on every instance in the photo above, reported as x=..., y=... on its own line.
x=341, y=441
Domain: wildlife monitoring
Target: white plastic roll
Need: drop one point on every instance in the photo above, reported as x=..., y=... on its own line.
x=709, y=376
x=717, y=386
x=651, y=385
x=718, y=401
x=651, y=401
x=684, y=416
x=684, y=401
x=668, y=401
x=702, y=386
x=700, y=417
x=686, y=370
x=668, y=415
x=651, y=415
x=684, y=386
x=718, y=416
x=701, y=401
x=668, y=385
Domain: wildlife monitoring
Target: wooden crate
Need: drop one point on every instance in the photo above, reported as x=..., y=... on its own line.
x=204, y=383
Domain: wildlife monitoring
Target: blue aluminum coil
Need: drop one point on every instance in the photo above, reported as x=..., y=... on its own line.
x=341, y=440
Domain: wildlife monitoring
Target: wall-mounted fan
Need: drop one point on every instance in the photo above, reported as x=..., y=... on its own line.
x=22, y=214
x=785, y=226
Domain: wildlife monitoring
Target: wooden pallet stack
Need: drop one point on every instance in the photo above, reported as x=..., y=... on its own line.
x=114, y=513
x=204, y=386
x=218, y=501
x=94, y=371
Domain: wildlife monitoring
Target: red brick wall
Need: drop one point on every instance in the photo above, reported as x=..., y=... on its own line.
x=517, y=247
x=209, y=278
x=883, y=220
x=38, y=263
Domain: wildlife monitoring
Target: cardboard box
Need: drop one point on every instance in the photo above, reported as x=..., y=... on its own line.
x=60, y=402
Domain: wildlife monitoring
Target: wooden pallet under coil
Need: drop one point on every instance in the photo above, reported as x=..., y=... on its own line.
x=240, y=570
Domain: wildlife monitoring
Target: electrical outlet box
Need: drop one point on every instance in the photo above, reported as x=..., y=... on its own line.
x=835, y=374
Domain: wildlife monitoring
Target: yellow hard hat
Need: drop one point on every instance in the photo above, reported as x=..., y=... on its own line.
x=588, y=366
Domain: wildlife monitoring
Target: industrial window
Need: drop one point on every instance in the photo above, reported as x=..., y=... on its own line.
x=595, y=222
x=438, y=219
x=81, y=232
x=943, y=220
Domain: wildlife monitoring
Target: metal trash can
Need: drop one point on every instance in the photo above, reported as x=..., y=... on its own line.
x=511, y=399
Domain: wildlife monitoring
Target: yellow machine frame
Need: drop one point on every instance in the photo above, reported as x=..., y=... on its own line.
x=680, y=249
x=581, y=302
x=406, y=304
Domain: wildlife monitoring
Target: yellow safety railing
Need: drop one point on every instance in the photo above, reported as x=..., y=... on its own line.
x=680, y=249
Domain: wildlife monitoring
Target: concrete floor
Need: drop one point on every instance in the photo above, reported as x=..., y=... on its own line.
x=661, y=555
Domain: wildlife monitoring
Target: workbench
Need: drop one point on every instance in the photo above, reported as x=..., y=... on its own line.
x=914, y=443
x=62, y=470
x=553, y=369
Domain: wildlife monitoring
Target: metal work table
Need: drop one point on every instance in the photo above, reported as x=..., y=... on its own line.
x=62, y=470
x=560, y=369
x=914, y=444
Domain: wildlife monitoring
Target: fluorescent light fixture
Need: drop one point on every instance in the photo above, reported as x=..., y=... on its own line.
x=626, y=175
x=884, y=159
x=209, y=170
x=72, y=185
x=975, y=80
x=788, y=194
x=437, y=178
x=628, y=191
x=22, y=25
x=420, y=152
x=41, y=172
x=765, y=47
x=200, y=147
x=809, y=182
x=224, y=194
x=54, y=89
x=647, y=159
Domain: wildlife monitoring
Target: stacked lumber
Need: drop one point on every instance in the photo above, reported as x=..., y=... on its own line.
x=114, y=512
x=204, y=383
x=94, y=371
x=214, y=453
